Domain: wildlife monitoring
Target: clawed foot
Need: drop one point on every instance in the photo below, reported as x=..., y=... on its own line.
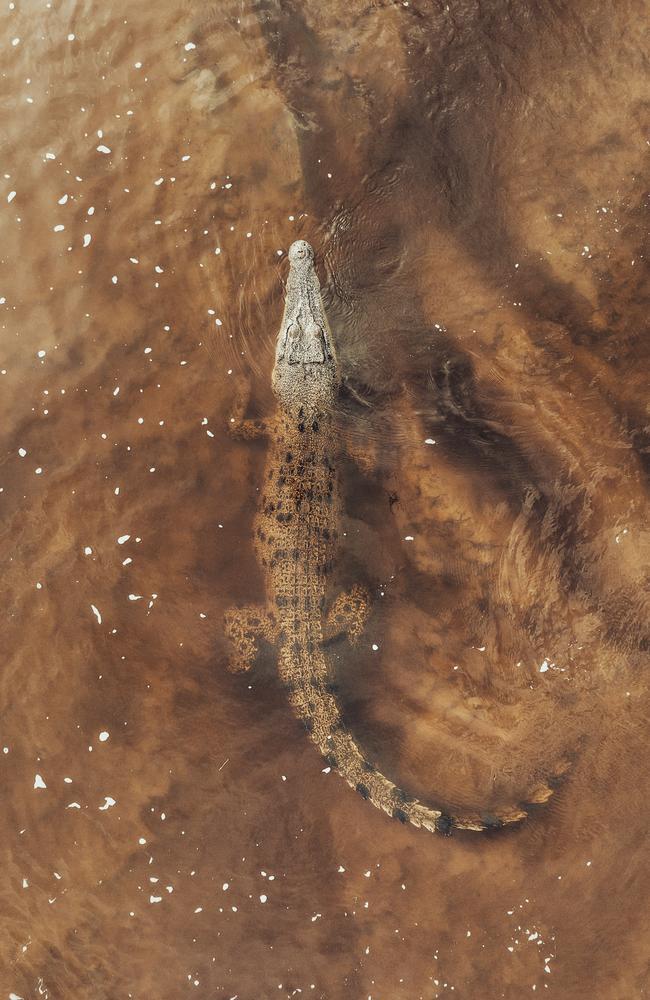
x=348, y=615
x=243, y=627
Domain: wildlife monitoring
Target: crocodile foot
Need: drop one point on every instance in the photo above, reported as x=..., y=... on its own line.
x=348, y=615
x=243, y=627
x=244, y=429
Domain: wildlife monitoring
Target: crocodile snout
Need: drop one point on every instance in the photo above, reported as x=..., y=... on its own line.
x=300, y=251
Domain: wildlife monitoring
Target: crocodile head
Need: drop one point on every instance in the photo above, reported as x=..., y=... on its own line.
x=305, y=371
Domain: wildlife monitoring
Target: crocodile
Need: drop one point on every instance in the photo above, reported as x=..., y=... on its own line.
x=296, y=530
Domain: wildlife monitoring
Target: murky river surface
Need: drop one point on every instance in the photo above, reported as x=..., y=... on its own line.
x=471, y=176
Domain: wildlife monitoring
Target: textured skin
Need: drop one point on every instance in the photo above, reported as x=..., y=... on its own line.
x=296, y=538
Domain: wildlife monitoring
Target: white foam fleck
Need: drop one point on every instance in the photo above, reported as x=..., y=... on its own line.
x=87, y=239
x=96, y=613
x=38, y=782
x=103, y=149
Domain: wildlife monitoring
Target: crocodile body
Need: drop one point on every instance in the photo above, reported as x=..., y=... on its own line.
x=296, y=536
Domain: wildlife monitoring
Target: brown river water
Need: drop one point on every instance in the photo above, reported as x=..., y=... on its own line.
x=473, y=177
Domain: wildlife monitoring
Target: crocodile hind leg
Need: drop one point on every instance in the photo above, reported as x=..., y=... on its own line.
x=243, y=627
x=348, y=615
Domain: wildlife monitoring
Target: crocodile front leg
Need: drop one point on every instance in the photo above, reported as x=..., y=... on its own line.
x=348, y=615
x=245, y=429
x=243, y=627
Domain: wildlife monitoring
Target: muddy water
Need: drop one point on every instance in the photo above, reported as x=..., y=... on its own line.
x=472, y=177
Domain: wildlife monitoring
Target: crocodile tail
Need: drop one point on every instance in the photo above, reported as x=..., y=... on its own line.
x=317, y=708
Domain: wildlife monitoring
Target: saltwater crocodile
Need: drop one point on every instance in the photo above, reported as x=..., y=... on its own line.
x=296, y=537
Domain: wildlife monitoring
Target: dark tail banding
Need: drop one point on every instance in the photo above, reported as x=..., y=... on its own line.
x=319, y=708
